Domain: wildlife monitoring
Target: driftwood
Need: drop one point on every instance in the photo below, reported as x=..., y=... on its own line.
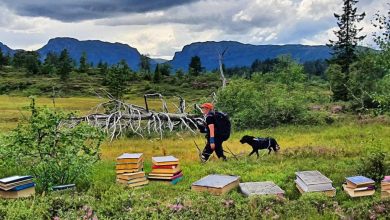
x=116, y=118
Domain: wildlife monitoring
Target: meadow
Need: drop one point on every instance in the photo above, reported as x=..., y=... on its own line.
x=336, y=150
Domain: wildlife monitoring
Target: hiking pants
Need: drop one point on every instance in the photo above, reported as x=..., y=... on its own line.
x=207, y=151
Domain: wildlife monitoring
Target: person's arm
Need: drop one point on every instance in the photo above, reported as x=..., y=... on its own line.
x=212, y=136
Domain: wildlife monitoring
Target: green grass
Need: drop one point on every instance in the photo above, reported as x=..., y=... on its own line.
x=335, y=150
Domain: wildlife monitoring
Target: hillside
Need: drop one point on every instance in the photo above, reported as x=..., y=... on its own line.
x=96, y=51
x=239, y=54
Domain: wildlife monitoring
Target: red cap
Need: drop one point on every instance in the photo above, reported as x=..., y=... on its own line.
x=207, y=105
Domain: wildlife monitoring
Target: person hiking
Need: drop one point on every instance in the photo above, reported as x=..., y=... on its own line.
x=217, y=131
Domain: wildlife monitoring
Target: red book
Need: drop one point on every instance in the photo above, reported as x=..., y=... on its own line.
x=164, y=166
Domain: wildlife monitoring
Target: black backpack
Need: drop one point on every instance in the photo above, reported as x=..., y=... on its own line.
x=222, y=125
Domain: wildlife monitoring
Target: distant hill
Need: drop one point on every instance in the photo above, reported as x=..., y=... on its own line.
x=239, y=54
x=96, y=51
x=5, y=49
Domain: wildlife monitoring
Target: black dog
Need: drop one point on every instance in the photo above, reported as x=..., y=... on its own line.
x=260, y=143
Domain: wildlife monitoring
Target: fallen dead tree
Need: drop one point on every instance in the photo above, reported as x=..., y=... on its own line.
x=116, y=117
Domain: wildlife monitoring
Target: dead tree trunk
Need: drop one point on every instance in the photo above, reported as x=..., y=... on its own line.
x=220, y=61
x=117, y=118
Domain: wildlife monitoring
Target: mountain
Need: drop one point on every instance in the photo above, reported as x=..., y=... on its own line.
x=96, y=51
x=5, y=49
x=239, y=54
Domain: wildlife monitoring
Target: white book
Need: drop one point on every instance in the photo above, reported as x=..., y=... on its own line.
x=313, y=181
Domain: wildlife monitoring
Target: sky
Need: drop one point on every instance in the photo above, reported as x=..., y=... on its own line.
x=159, y=28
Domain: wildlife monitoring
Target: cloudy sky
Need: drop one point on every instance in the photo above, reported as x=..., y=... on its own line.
x=161, y=27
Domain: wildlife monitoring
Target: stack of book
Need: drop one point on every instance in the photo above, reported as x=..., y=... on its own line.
x=17, y=187
x=314, y=181
x=357, y=186
x=216, y=184
x=385, y=187
x=166, y=169
x=129, y=170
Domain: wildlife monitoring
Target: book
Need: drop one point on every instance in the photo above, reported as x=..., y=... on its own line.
x=165, y=160
x=141, y=183
x=385, y=194
x=12, y=179
x=175, y=181
x=22, y=187
x=151, y=176
x=17, y=194
x=330, y=193
x=129, y=176
x=164, y=166
x=352, y=193
x=216, y=184
x=313, y=181
x=64, y=187
x=14, y=184
x=129, y=158
x=175, y=169
x=359, y=181
x=165, y=174
x=386, y=179
x=129, y=170
x=122, y=166
x=314, y=188
x=260, y=188
x=131, y=181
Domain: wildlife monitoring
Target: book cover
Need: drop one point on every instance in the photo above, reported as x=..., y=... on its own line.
x=313, y=177
x=356, y=181
x=129, y=158
x=215, y=181
x=260, y=188
x=165, y=160
x=13, y=179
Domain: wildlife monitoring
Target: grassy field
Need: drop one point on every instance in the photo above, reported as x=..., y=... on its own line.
x=335, y=150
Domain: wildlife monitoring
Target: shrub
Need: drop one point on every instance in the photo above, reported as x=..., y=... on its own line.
x=45, y=147
x=259, y=103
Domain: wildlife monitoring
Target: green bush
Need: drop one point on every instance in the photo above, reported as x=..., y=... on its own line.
x=260, y=103
x=47, y=148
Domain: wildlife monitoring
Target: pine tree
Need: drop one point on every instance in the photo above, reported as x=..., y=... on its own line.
x=195, y=66
x=344, y=48
x=83, y=68
x=157, y=74
x=65, y=64
x=117, y=79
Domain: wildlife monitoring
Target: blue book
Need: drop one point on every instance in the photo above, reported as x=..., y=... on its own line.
x=22, y=187
x=177, y=180
x=357, y=181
